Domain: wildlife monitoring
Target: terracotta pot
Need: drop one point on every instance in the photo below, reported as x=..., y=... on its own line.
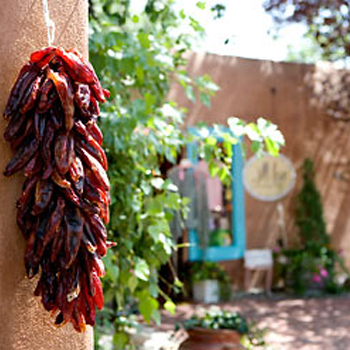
x=211, y=339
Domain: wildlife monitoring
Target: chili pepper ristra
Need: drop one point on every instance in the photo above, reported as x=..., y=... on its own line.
x=52, y=126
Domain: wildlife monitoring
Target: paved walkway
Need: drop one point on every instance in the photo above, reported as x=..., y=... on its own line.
x=302, y=324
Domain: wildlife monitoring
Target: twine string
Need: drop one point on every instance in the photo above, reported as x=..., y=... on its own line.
x=50, y=24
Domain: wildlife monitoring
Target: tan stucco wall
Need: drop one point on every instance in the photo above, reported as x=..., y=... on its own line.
x=283, y=93
x=24, y=324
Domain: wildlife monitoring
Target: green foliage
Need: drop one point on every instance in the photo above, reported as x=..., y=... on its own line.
x=137, y=56
x=327, y=23
x=216, y=319
x=121, y=339
x=309, y=212
x=309, y=272
x=307, y=51
x=219, y=10
x=207, y=270
x=314, y=265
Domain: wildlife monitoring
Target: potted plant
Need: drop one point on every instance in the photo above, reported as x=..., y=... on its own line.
x=221, y=330
x=209, y=282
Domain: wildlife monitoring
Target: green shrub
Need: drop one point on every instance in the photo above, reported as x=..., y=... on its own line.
x=313, y=265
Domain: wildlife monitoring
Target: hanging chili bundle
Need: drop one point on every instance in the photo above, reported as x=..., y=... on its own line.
x=62, y=211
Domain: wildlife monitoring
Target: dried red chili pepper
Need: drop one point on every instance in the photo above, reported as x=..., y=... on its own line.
x=43, y=196
x=45, y=93
x=42, y=57
x=90, y=144
x=77, y=175
x=97, y=226
x=74, y=225
x=62, y=152
x=26, y=76
x=14, y=126
x=90, y=246
x=54, y=116
x=27, y=192
x=54, y=221
x=31, y=269
x=21, y=138
x=22, y=157
x=87, y=306
x=34, y=166
x=46, y=150
x=32, y=95
x=59, y=180
x=89, y=208
x=98, y=197
x=66, y=95
x=98, y=266
x=82, y=71
x=82, y=96
x=98, y=297
x=71, y=196
x=57, y=244
x=97, y=171
x=95, y=131
x=39, y=125
x=52, y=112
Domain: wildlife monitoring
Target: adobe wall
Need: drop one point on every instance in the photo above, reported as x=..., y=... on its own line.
x=282, y=93
x=24, y=324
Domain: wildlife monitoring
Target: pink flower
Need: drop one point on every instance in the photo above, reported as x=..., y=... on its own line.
x=323, y=273
x=276, y=249
x=316, y=278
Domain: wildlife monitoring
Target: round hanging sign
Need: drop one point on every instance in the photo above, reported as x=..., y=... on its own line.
x=269, y=178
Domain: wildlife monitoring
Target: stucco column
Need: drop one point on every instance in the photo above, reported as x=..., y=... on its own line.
x=24, y=324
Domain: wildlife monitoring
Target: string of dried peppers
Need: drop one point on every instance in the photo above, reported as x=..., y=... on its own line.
x=62, y=211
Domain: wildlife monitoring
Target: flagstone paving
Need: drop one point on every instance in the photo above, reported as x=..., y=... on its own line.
x=303, y=324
